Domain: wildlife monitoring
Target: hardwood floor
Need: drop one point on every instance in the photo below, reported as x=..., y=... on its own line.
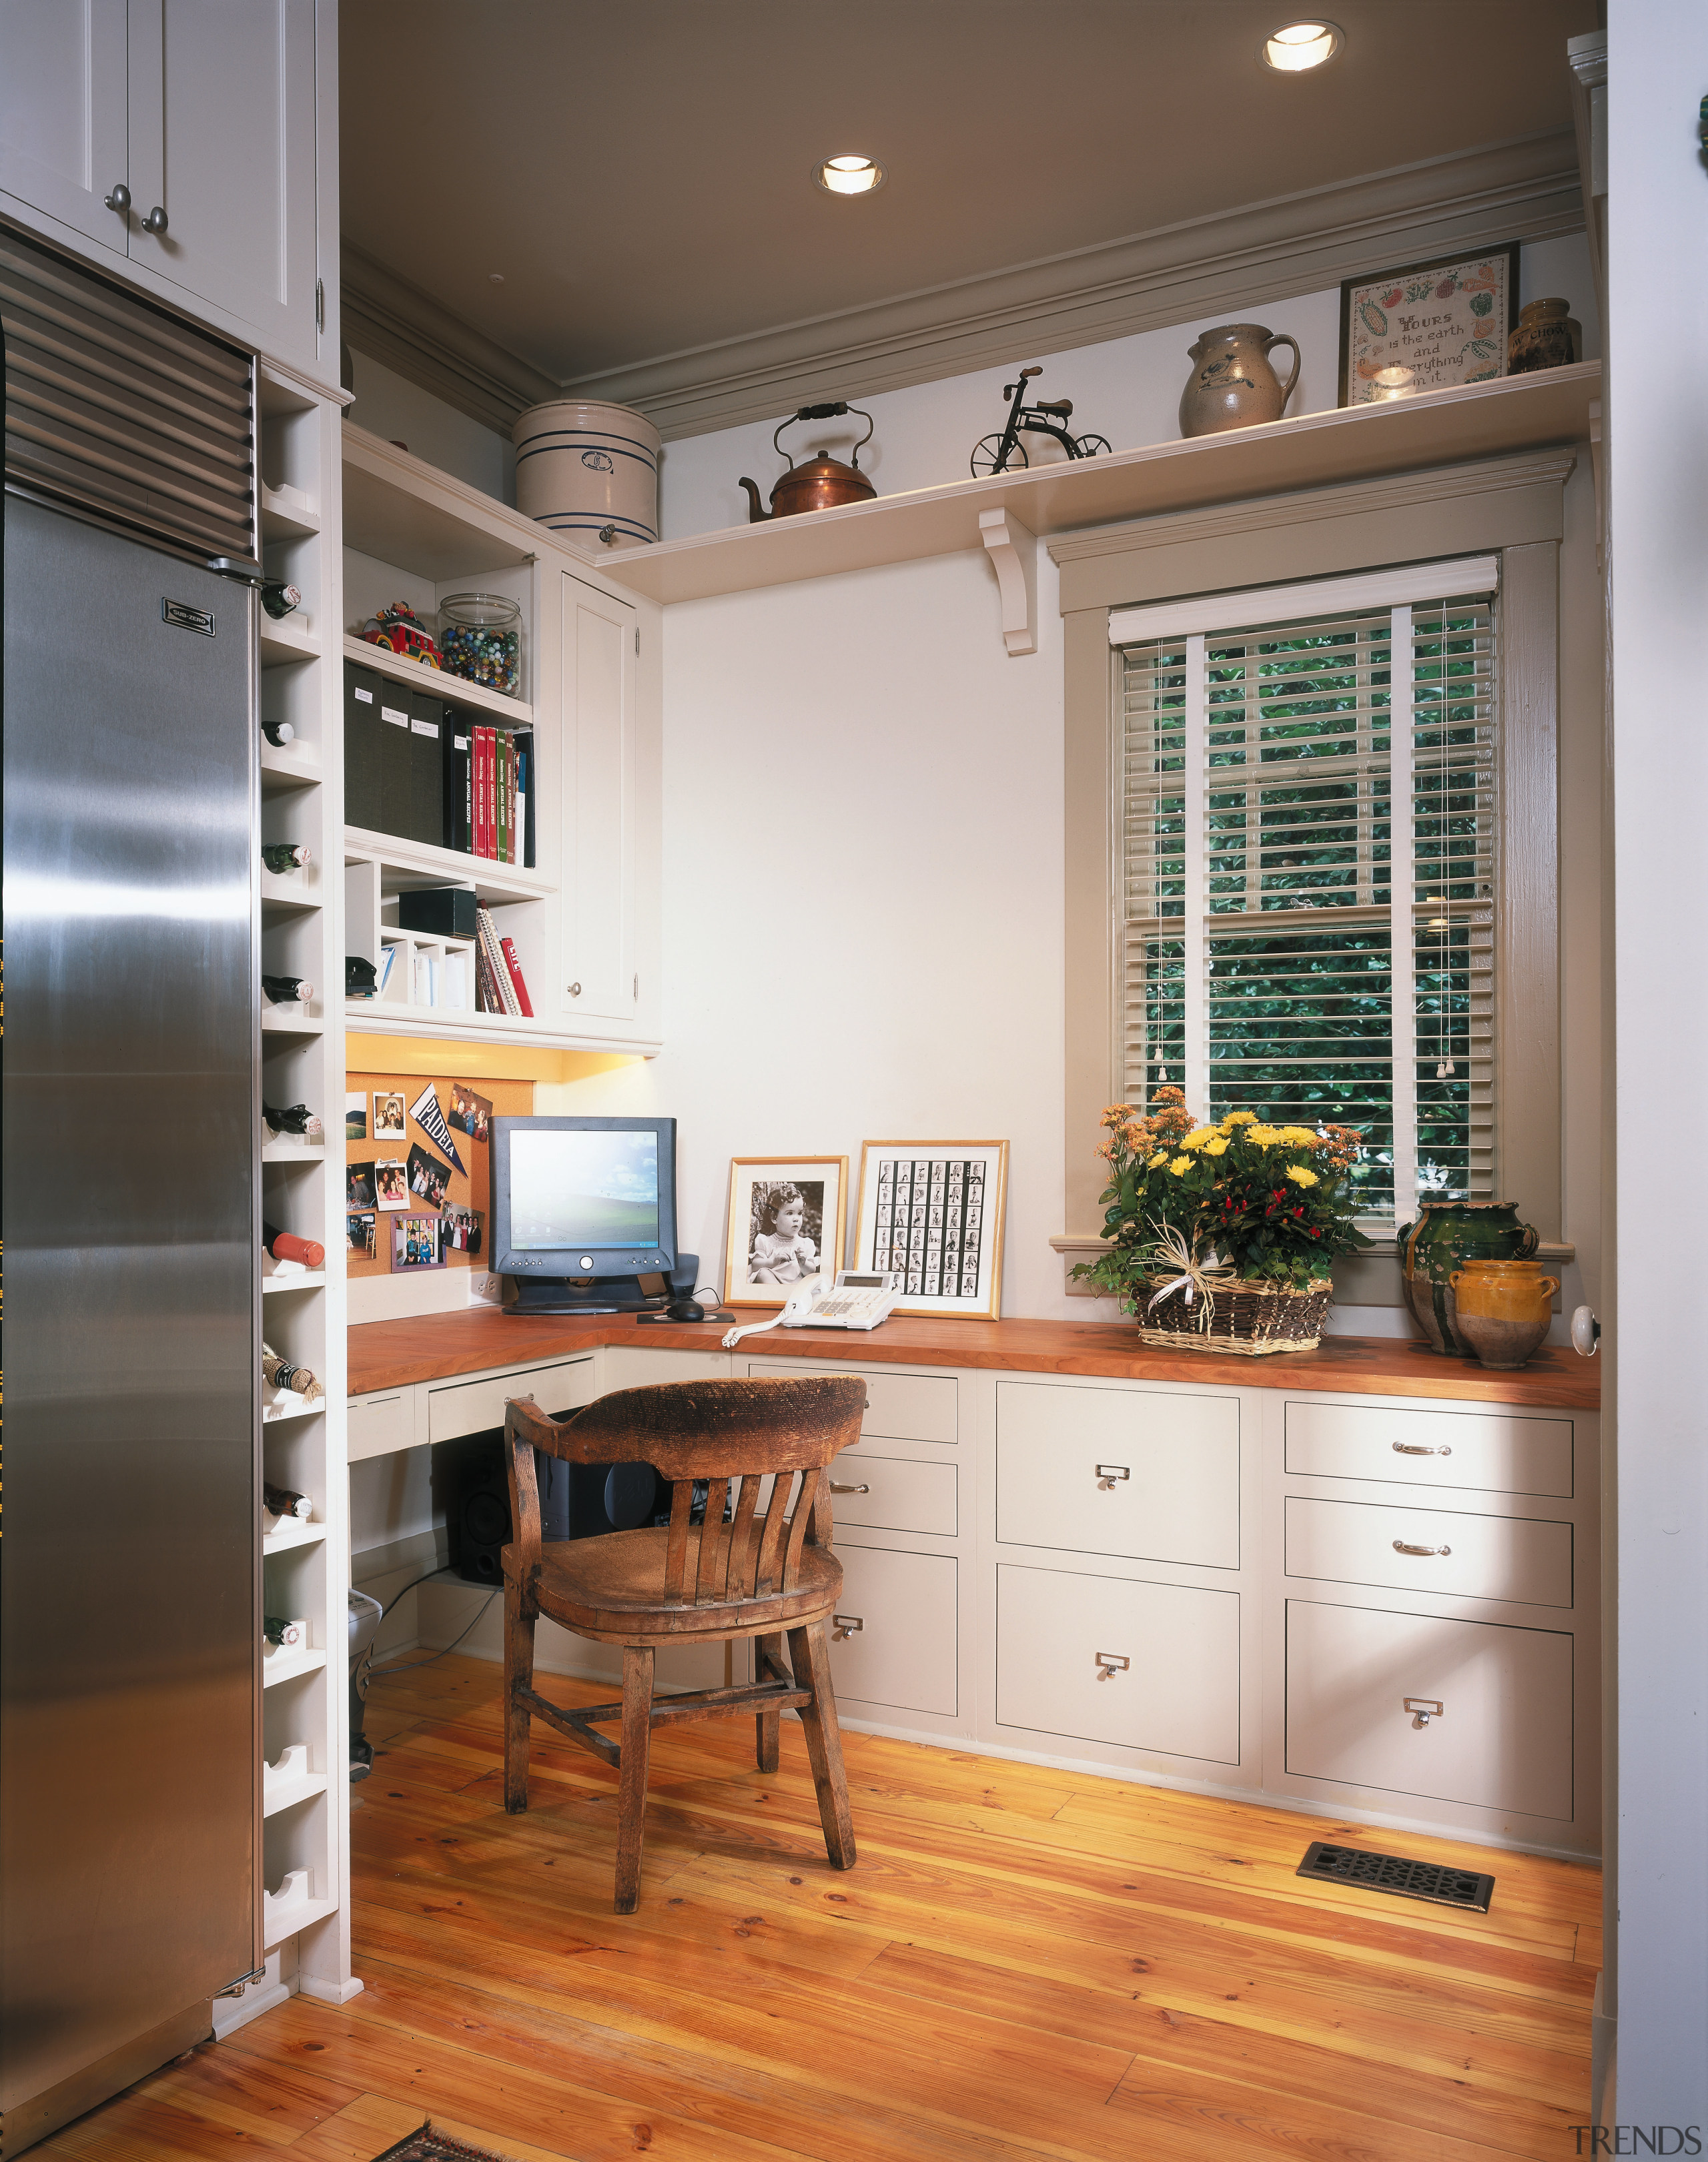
x=1025, y=1964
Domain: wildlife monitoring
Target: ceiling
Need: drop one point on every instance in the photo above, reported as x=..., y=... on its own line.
x=638, y=171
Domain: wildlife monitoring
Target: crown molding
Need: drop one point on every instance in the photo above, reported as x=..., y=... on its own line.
x=1521, y=190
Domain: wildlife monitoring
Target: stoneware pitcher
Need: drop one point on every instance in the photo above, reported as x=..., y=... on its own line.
x=1446, y=1235
x=1232, y=384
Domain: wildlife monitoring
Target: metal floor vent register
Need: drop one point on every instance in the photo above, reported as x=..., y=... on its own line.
x=1392, y=1873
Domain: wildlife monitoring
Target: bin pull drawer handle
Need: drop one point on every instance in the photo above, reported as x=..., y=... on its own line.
x=843, y=1626
x=836, y=1489
x=1107, y=1474
x=1422, y=1449
x=1400, y=1546
x=1109, y=1663
x=1424, y=1709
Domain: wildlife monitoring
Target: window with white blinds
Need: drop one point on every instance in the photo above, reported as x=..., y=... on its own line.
x=1308, y=837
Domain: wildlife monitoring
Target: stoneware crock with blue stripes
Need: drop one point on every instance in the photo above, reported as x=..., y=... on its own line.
x=588, y=469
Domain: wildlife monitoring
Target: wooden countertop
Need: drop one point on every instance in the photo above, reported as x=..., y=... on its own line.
x=388, y=1355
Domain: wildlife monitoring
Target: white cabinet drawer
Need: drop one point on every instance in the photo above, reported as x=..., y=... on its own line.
x=1466, y=1557
x=903, y=1654
x=381, y=1423
x=1178, y=1694
x=1503, y=1739
x=905, y=1496
x=899, y=1406
x=640, y=1366
x=1493, y=1452
x=1112, y=1471
x=474, y=1406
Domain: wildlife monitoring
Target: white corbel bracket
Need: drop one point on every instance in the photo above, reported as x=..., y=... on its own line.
x=1013, y=549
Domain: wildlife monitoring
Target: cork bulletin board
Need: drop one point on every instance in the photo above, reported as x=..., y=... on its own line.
x=417, y=1180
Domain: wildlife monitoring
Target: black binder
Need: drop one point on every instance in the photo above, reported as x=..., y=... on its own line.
x=427, y=717
x=361, y=805
x=458, y=746
x=394, y=740
x=528, y=780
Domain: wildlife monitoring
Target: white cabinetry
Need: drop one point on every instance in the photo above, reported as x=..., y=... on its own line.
x=198, y=118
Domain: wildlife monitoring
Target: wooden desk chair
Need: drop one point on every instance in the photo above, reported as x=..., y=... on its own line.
x=764, y=1576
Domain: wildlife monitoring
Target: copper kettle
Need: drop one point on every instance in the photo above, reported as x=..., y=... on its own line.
x=820, y=482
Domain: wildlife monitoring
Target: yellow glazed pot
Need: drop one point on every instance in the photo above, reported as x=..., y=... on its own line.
x=1503, y=1309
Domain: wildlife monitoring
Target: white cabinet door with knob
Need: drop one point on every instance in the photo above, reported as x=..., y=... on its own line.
x=64, y=134
x=893, y=1641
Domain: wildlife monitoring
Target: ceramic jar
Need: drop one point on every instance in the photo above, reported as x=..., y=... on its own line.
x=1232, y=384
x=587, y=468
x=1546, y=336
x=1503, y=1309
x=1446, y=1235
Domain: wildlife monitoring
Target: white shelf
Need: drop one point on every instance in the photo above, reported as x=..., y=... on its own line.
x=288, y=1664
x=289, y=1533
x=284, y=1793
x=287, y=1020
x=292, y=891
x=408, y=513
x=384, y=1017
x=421, y=864
x=295, y=765
x=1437, y=427
x=287, y=512
x=286, y=1419
x=283, y=1153
x=279, y=1923
x=460, y=692
x=310, y=1280
x=282, y=643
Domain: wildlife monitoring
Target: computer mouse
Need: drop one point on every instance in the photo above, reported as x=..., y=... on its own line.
x=685, y=1309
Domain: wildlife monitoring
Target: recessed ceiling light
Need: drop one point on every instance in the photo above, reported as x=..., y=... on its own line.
x=1297, y=46
x=494, y=277
x=850, y=176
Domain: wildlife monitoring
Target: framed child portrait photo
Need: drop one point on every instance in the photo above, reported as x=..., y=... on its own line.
x=787, y=1223
x=933, y=1212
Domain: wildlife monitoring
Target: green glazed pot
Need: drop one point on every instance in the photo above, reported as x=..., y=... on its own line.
x=1447, y=1235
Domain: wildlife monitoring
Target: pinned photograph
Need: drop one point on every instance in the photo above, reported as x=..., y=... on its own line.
x=429, y=1180
x=358, y=1224
x=787, y=1226
x=427, y=1115
x=389, y=1121
x=415, y=1243
x=358, y=1186
x=462, y=1231
x=356, y=1116
x=391, y=1187
x=934, y=1209
x=472, y=1113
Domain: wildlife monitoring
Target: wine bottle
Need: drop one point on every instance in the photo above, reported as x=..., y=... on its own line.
x=277, y=732
x=286, y=1247
x=282, y=856
x=279, y=598
x=281, y=1374
x=294, y=1119
x=278, y=1631
x=288, y=990
x=285, y=1501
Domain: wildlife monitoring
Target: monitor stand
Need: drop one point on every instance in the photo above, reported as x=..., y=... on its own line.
x=562, y=1295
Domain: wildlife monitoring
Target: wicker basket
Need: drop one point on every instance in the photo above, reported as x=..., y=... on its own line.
x=1245, y=1319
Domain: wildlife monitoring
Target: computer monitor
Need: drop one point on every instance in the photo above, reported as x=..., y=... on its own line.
x=582, y=1208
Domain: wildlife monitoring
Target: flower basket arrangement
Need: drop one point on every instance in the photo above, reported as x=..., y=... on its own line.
x=1221, y=1237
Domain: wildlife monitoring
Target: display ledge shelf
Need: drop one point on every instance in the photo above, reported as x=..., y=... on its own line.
x=284, y=1919
x=283, y=1153
x=287, y=1666
x=407, y=513
x=381, y=1017
x=421, y=864
x=291, y=1533
x=289, y=1419
x=282, y=642
x=287, y=512
x=289, y=766
x=310, y=1280
x=516, y=711
x=285, y=1794
x=277, y=1020
x=289, y=892
x=1437, y=427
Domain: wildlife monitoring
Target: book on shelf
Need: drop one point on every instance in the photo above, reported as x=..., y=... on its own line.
x=501, y=985
x=420, y=766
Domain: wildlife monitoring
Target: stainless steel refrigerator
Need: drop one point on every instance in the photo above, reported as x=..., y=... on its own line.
x=129, y=1569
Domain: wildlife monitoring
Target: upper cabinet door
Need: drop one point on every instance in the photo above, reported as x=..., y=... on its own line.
x=63, y=136
x=222, y=152
x=597, y=751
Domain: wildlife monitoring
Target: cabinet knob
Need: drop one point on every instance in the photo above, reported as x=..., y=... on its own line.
x=575, y=990
x=1400, y=1547
x=155, y=222
x=119, y=200
x=1424, y=1709
x=1423, y=1448
x=836, y=1489
x=1108, y=1473
x=1111, y=1663
x=845, y=1625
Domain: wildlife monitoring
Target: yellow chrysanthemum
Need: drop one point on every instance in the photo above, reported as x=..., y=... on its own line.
x=1299, y=1137
x=1241, y=1118
x=1260, y=1136
x=1181, y=1163
x=1200, y=1137
x=1157, y=1160
x=1219, y=1146
x=1299, y=1176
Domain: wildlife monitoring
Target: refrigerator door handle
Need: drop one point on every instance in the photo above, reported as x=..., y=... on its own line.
x=244, y=568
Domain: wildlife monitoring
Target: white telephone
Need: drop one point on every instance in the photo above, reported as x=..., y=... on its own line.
x=860, y=1299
